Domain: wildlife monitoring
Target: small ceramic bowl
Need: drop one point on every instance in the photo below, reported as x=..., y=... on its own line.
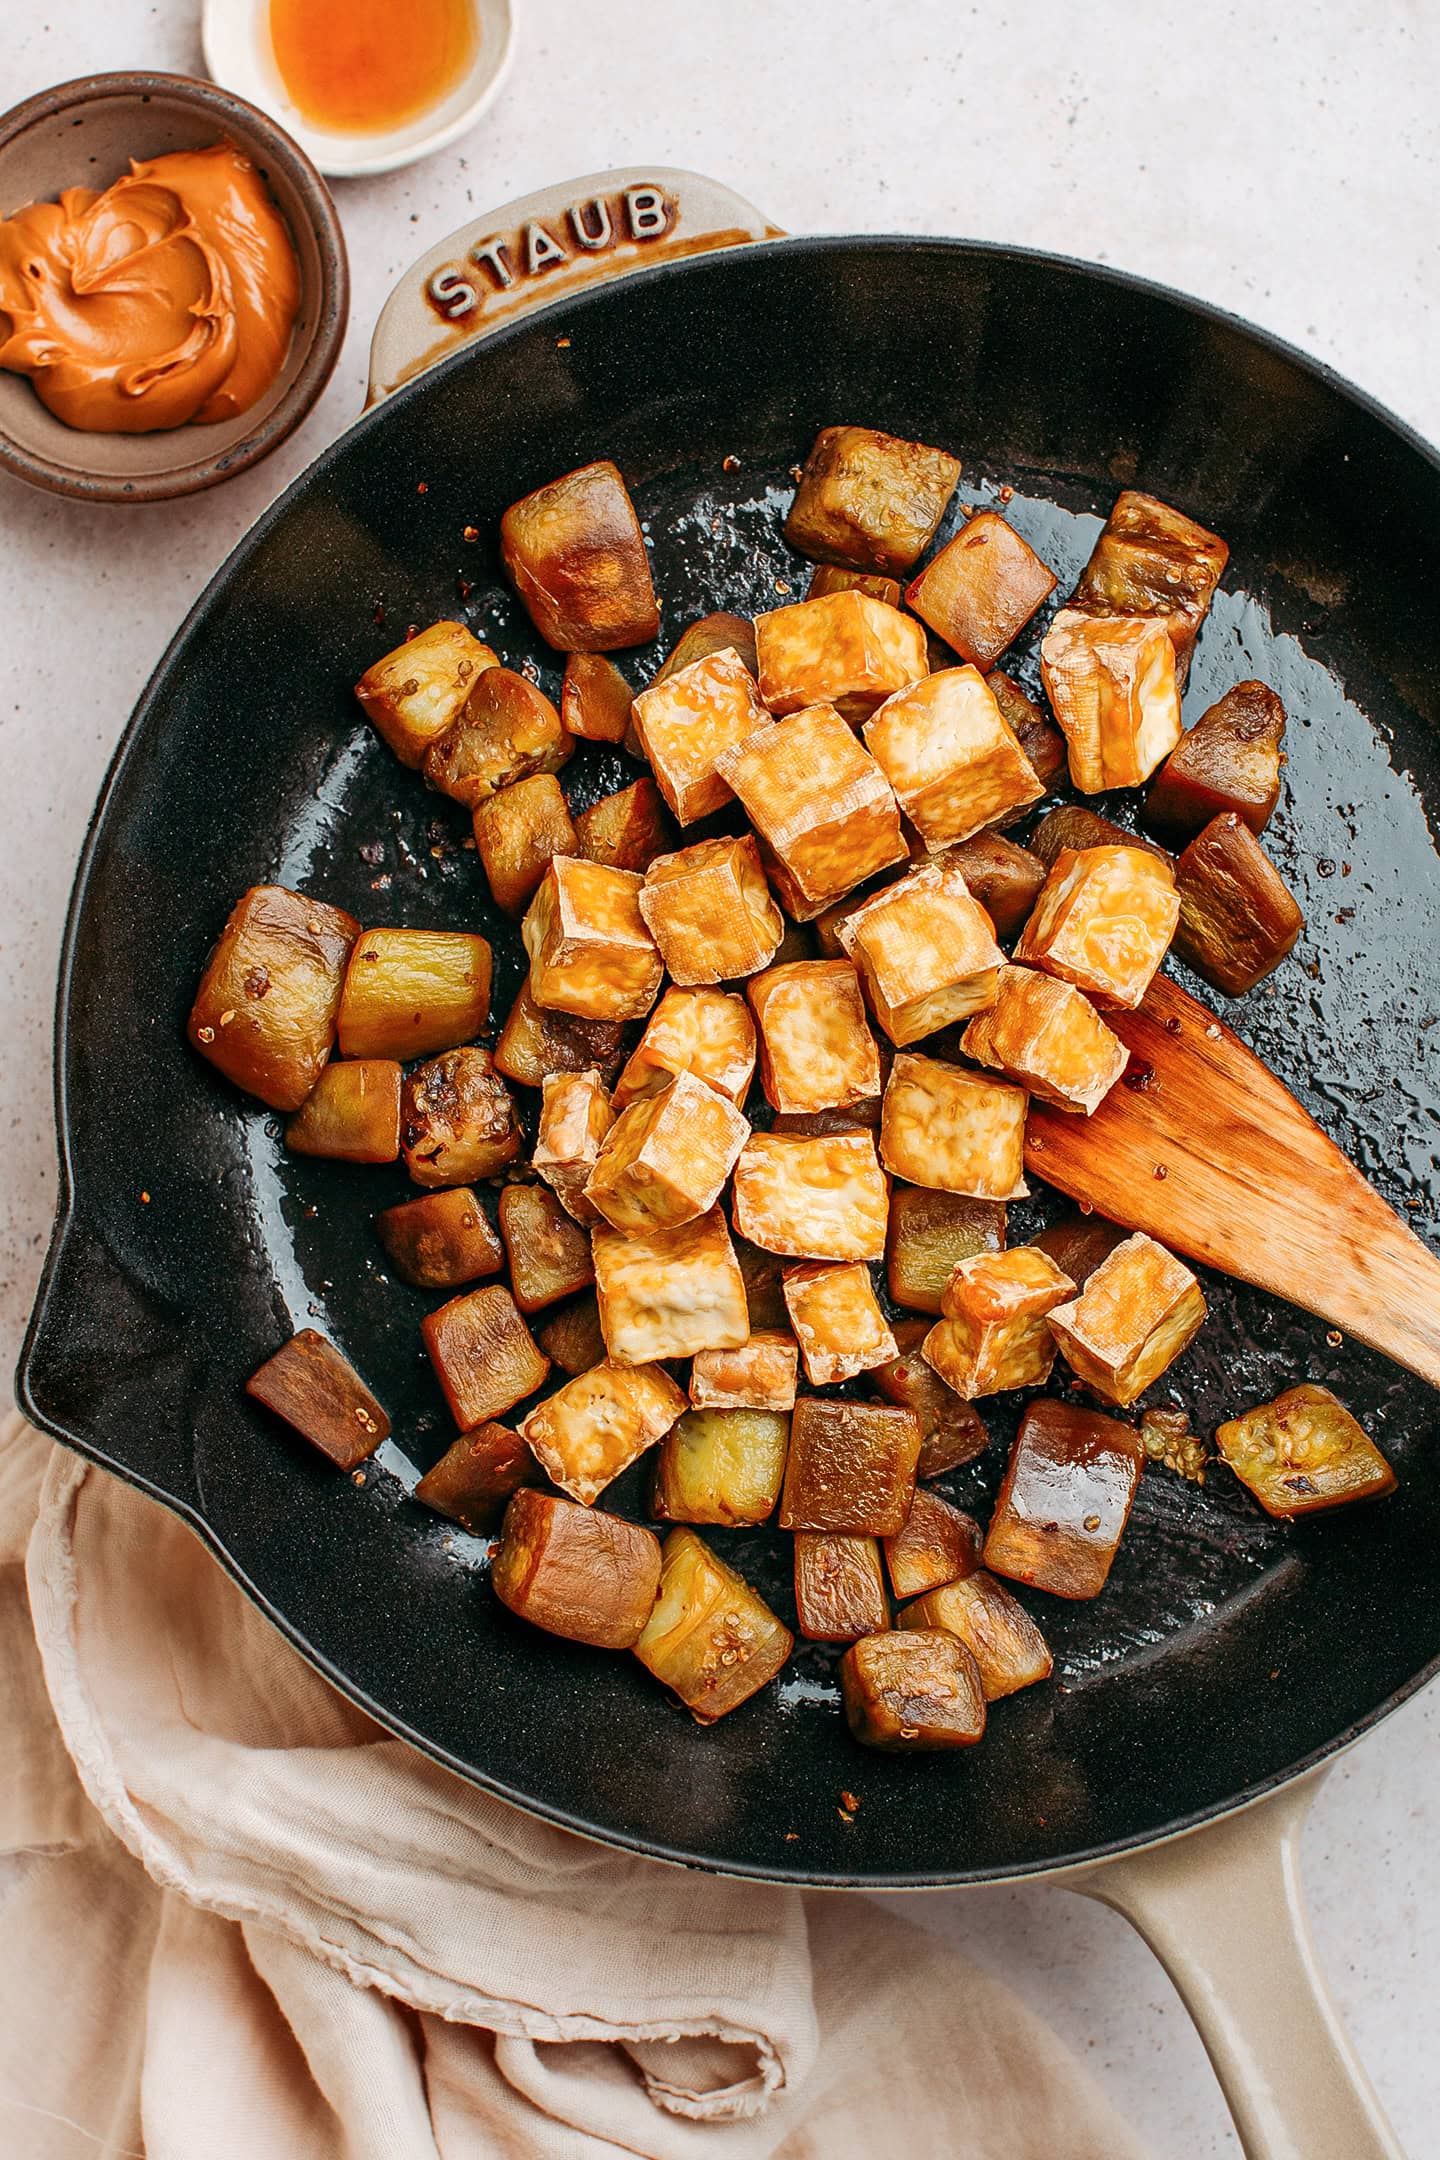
x=239, y=53
x=83, y=134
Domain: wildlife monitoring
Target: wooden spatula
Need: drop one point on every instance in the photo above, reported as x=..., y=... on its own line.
x=1250, y=1183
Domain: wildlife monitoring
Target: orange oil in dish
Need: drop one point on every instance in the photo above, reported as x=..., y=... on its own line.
x=365, y=66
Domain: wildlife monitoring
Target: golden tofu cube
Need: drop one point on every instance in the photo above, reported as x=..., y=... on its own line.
x=594, y=699
x=518, y=834
x=816, y=1049
x=410, y=992
x=670, y=1293
x=947, y=750
x=837, y=1321
x=1046, y=1035
x=1103, y=921
x=536, y=1042
x=1138, y=1311
x=575, y=1116
x=993, y=1334
x=821, y=805
x=758, y=1375
x=591, y=953
x=577, y=555
x=709, y=910
x=812, y=1199
x=926, y=950
x=845, y=650
x=1152, y=560
x=981, y=589
x=705, y=1032
x=412, y=694
x=721, y=1466
x=871, y=501
x=1111, y=680
x=626, y=830
x=597, y=1424
x=686, y=721
x=665, y=1159
x=506, y=730
x=953, y=1131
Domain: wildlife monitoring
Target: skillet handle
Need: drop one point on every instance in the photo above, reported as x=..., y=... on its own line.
x=545, y=247
x=1223, y=1908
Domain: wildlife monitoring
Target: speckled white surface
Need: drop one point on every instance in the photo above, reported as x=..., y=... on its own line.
x=1279, y=159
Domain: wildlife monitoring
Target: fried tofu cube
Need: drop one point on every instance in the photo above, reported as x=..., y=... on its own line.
x=597, y=1424
x=594, y=699
x=937, y=1545
x=441, y=1240
x=709, y=910
x=626, y=831
x=912, y=1693
x=687, y=720
x=945, y=748
x=758, y=1375
x=577, y=555
x=264, y=1014
x=851, y=1467
x=670, y=1293
x=1065, y=1500
x=591, y=953
x=870, y=501
x=992, y=1624
x=352, y=1114
x=952, y=1432
x=536, y=1042
x=1104, y=922
x=829, y=578
x=410, y=992
x=845, y=650
x=837, y=1320
x=812, y=1199
x=457, y=1120
x=322, y=1397
x=705, y=1032
x=992, y=1334
x=573, y=1339
x=1046, y=1034
x=1138, y=1311
x=710, y=1638
x=839, y=1586
x=954, y=1131
x=575, y=1571
x=412, y=695
x=821, y=805
x=518, y=834
x=926, y=951
x=1002, y=878
x=929, y=1234
x=721, y=1466
x=981, y=589
x=506, y=730
x=1111, y=680
x=816, y=1049
x=476, y=1476
x=575, y=1116
x=665, y=1159
x=484, y=1356
x=1303, y=1452
x=548, y=1251
x=1152, y=560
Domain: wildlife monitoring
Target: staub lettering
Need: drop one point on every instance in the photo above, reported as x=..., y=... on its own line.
x=498, y=263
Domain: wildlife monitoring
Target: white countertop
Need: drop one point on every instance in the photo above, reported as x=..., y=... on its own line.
x=1280, y=160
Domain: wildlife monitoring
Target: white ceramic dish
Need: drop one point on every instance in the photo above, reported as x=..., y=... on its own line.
x=239, y=55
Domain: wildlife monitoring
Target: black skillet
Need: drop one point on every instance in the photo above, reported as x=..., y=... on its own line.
x=1227, y=1653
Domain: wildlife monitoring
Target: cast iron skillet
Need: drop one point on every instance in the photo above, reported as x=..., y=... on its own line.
x=1227, y=1652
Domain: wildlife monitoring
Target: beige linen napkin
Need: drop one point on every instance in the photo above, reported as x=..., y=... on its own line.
x=246, y=1925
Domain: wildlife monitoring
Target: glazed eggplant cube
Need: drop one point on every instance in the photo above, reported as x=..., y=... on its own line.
x=518, y=834
x=870, y=501
x=628, y=830
x=1045, y=1034
x=929, y=1234
x=711, y=634
x=670, y=1293
x=945, y=747
x=576, y=1572
x=846, y=650
x=926, y=951
x=851, y=1467
x=1065, y=1500
x=590, y=951
x=687, y=720
x=457, y=1120
x=1138, y=1311
x=721, y=1466
x=1001, y=877
x=665, y=1160
x=979, y=1612
x=575, y=1116
x=1104, y=922
x=839, y=1587
x=763, y=1274
x=709, y=910
x=710, y=1638
x=548, y=1251
x=954, y=1131
x=1078, y=1242
x=1230, y=760
x=352, y=1114
x=914, y=1692
x=938, y=1544
x=1303, y=1452
x=412, y=695
x=507, y=730
x=820, y=804
x=441, y=1240
x=409, y=993
x=1073, y=826
x=756, y=1375
x=319, y=1393
x=1036, y=733
x=576, y=553
x=597, y=1424
x=837, y=1320
x=981, y=589
x=1111, y=681
x=264, y=1014
x=484, y=1356
x=952, y=1432
x=1238, y=917
x=573, y=1339
x=992, y=1334
x=1152, y=560
x=830, y=578
x=702, y=1031
x=476, y=1476
x=820, y=1199
x=816, y=1049
x=594, y=699
x=537, y=1042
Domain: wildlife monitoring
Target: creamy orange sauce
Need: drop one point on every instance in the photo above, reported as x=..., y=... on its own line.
x=364, y=66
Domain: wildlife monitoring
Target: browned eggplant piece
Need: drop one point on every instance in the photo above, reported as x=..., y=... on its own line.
x=536, y=1042
x=1004, y=878
x=576, y=1572
x=477, y=1475
x=507, y=730
x=1066, y=1498
x=929, y=1234
x=352, y=1114
x=318, y=1392
x=1238, y=917
x=937, y=1544
x=756, y=1375
x=825, y=1124
x=1230, y=760
x=484, y=1355
x=1042, y=742
x=264, y=1013
x=1153, y=560
x=549, y=1253
x=628, y=830
x=1077, y=1243
x=1304, y=1452
x=913, y=1691
x=829, y=577
x=412, y=694
x=995, y=1628
x=764, y=1278
x=711, y=634
x=574, y=1340
x=1073, y=826
x=721, y=1466
x=851, y=1467
x=457, y=1121
x=577, y=555
x=518, y=833
x=839, y=1587
x=409, y=993
x=870, y=501
x=710, y=1638
x=981, y=589
x=594, y=699
x=441, y=1240
x=952, y=1430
